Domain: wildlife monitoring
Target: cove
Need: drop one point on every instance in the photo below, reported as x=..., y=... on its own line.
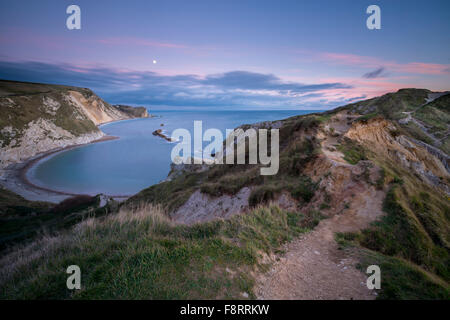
x=136, y=160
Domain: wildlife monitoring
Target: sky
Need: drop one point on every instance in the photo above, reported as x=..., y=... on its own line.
x=227, y=54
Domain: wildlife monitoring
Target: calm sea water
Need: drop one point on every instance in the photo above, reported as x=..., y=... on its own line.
x=136, y=160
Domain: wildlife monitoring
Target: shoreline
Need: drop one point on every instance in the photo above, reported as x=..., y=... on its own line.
x=14, y=177
x=150, y=116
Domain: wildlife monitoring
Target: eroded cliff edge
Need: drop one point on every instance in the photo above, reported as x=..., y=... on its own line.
x=37, y=118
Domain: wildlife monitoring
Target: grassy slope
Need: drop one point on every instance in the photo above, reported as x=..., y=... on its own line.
x=139, y=254
x=414, y=234
x=392, y=105
x=411, y=243
x=30, y=96
x=22, y=220
x=436, y=114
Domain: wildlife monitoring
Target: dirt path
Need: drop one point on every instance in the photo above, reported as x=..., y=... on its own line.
x=313, y=266
x=336, y=128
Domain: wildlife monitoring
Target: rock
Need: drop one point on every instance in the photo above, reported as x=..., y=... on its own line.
x=158, y=132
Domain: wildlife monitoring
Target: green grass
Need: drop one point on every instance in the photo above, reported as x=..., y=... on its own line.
x=295, y=152
x=410, y=244
x=170, y=194
x=28, y=106
x=353, y=152
x=260, y=195
x=30, y=110
x=392, y=105
x=446, y=145
x=407, y=231
x=436, y=114
x=400, y=278
x=367, y=117
x=22, y=220
x=141, y=255
x=304, y=189
x=416, y=132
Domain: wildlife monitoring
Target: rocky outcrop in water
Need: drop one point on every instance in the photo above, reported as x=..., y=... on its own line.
x=160, y=134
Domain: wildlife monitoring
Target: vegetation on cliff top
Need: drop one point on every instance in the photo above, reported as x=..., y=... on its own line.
x=22, y=220
x=411, y=242
x=21, y=103
x=140, y=254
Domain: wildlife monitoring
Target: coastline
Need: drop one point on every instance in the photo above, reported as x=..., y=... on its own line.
x=14, y=177
x=130, y=119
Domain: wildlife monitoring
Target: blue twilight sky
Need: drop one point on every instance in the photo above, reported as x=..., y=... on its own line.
x=229, y=54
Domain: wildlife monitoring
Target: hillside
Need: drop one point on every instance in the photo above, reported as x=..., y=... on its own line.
x=423, y=114
x=363, y=184
x=38, y=117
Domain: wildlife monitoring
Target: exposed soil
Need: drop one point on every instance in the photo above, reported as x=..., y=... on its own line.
x=201, y=207
x=313, y=266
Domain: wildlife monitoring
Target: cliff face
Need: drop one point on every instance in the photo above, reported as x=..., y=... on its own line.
x=137, y=112
x=37, y=117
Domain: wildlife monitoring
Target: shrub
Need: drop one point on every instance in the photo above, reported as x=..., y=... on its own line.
x=74, y=204
x=304, y=190
x=353, y=152
x=261, y=195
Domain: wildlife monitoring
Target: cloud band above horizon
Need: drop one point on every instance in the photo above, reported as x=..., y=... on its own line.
x=229, y=89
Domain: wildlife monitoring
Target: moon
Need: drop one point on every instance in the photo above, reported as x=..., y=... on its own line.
x=154, y=61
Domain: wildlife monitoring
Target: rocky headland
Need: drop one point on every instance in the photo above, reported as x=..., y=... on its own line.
x=40, y=119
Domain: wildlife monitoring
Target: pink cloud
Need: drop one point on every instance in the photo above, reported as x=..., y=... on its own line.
x=424, y=68
x=361, y=89
x=372, y=62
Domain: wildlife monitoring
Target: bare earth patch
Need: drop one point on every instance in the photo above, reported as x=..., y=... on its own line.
x=313, y=266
